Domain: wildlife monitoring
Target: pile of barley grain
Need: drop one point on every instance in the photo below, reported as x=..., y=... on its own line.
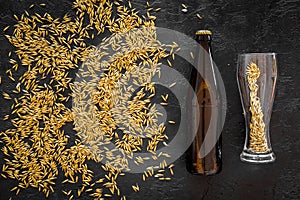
x=50, y=48
x=258, y=140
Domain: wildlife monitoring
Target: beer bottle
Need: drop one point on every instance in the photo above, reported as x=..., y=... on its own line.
x=205, y=157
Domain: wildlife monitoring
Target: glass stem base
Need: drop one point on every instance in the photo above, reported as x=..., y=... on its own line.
x=252, y=157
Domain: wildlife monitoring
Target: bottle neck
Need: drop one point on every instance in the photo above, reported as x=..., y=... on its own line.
x=203, y=60
x=204, y=41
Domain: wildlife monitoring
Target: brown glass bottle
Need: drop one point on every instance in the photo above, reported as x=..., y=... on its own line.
x=208, y=160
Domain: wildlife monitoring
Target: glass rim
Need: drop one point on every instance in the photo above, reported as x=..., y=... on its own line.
x=257, y=53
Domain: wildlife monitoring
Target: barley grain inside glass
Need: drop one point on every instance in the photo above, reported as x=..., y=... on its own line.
x=256, y=76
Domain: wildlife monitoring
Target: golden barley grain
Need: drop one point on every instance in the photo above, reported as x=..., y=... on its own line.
x=199, y=16
x=169, y=63
x=6, y=96
x=158, y=175
x=135, y=188
x=184, y=10
x=171, y=171
x=89, y=190
x=172, y=85
x=3, y=176
x=11, y=78
x=192, y=55
x=165, y=144
x=5, y=29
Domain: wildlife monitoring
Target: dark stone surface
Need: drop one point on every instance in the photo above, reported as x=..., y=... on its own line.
x=238, y=26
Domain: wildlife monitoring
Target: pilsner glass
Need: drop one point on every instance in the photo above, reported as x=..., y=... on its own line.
x=256, y=77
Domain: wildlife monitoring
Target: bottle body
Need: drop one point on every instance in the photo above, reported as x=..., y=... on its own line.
x=205, y=151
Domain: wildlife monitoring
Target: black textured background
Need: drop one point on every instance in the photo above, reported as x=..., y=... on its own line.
x=238, y=26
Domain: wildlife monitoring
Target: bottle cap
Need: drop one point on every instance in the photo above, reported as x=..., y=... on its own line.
x=203, y=32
